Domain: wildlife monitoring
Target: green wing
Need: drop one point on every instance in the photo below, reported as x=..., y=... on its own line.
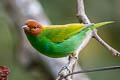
x=59, y=33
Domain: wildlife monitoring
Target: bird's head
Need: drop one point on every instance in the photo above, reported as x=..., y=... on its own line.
x=32, y=27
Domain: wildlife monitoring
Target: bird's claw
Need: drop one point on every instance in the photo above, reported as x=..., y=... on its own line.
x=67, y=68
x=63, y=72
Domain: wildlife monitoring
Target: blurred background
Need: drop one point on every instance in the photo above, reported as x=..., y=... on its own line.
x=94, y=55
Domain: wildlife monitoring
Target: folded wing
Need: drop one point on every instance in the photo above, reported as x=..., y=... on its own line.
x=59, y=33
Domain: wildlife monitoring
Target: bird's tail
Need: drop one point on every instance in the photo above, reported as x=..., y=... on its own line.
x=100, y=24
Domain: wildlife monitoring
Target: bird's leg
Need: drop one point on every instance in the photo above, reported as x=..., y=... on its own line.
x=69, y=67
x=73, y=68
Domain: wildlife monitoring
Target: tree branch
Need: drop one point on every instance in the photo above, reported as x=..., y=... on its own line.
x=97, y=37
x=94, y=70
x=82, y=17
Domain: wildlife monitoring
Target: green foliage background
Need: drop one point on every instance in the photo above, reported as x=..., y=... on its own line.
x=62, y=12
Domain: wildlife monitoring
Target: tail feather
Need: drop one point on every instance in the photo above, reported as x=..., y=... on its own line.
x=100, y=24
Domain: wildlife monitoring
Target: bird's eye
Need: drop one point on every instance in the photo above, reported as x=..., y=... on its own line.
x=34, y=27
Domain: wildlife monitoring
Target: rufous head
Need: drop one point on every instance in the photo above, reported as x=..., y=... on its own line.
x=32, y=27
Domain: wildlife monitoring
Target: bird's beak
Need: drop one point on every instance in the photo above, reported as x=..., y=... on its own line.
x=26, y=28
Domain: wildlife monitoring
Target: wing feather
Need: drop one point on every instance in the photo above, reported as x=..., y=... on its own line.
x=59, y=33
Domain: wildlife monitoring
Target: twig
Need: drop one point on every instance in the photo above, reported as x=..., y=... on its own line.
x=97, y=37
x=94, y=70
x=82, y=17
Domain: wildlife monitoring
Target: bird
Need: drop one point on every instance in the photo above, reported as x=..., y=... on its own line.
x=57, y=41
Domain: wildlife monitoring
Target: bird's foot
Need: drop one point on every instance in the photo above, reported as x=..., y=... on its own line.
x=64, y=71
x=66, y=68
